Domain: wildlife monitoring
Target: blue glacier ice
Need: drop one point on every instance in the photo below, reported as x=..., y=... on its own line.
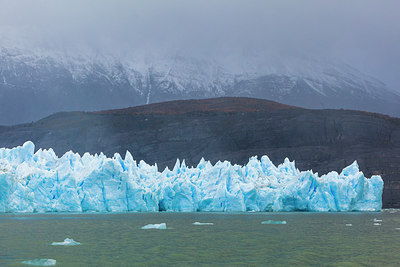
x=43, y=182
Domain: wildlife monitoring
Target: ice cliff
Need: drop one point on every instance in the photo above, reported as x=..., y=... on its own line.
x=43, y=182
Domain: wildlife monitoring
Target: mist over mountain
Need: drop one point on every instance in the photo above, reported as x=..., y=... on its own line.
x=69, y=55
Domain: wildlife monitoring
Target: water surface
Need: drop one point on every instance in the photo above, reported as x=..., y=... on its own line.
x=311, y=239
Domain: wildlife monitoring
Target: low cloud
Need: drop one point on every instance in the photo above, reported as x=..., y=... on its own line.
x=365, y=34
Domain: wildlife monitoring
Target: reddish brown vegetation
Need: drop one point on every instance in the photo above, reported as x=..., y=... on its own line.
x=223, y=104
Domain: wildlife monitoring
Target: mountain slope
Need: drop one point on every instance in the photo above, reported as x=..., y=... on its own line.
x=36, y=84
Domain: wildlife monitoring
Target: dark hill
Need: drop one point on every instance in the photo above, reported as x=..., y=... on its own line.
x=228, y=129
x=222, y=104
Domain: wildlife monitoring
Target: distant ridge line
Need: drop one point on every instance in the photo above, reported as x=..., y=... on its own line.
x=220, y=104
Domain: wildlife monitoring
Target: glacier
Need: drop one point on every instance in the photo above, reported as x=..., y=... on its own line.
x=44, y=182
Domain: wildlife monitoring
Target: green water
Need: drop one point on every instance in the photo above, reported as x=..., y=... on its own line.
x=308, y=239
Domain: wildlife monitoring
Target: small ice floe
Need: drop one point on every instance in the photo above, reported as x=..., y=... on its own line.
x=349, y=224
x=273, y=222
x=200, y=223
x=66, y=242
x=377, y=220
x=377, y=224
x=160, y=226
x=41, y=262
x=397, y=228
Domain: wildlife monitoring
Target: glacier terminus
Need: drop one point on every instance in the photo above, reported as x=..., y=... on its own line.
x=44, y=182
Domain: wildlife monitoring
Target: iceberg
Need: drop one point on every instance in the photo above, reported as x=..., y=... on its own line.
x=200, y=223
x=273, y=222
x=43, y=182
x=159, y=226
x=66, y=242
x=41, y=262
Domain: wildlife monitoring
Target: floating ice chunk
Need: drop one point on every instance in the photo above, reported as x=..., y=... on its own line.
x=66, y=242
x=200, y=223
x=160, y=226
x=273, y=222
x=41, y=262
x=377, y=220
x=377, y=224
x=397, y=228
x=392, y=211
x=349, y=224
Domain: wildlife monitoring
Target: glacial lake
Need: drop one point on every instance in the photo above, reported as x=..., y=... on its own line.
x=307, y=239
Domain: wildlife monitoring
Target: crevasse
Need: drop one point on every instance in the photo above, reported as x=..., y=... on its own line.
x=43, y=182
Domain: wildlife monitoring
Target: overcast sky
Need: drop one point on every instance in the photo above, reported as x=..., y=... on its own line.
x=363, y=33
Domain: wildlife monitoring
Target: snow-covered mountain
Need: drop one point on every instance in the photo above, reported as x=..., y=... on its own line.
x=34, y=84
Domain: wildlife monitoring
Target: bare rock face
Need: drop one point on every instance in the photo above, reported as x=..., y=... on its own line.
x=231, y=129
